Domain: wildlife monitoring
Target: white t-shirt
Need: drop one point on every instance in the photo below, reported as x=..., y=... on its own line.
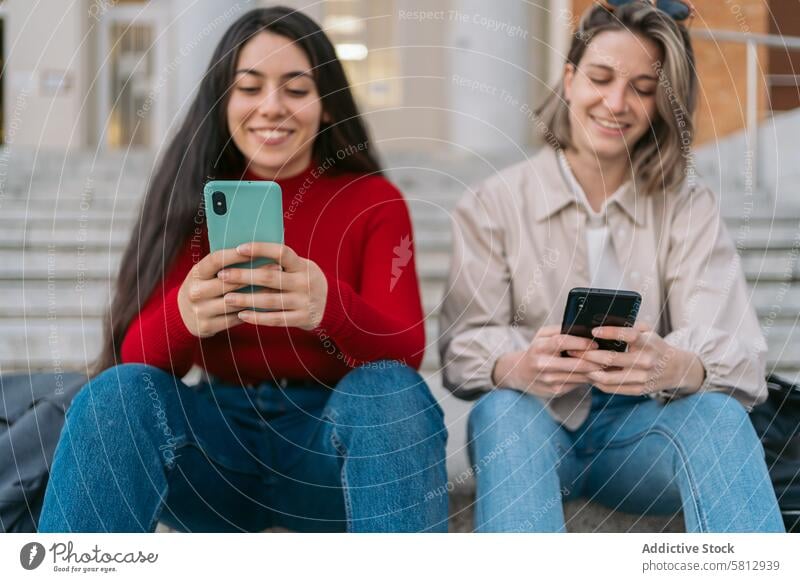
x=604, y=269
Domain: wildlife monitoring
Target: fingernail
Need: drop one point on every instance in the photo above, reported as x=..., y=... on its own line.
x=231, y=298
x=244, y=315
x=222, y=274
x=243, y=249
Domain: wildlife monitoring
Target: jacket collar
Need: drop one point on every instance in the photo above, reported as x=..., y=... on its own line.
x=556, y=193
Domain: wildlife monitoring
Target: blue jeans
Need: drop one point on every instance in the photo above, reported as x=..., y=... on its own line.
x=140, y=447
x=699, y=454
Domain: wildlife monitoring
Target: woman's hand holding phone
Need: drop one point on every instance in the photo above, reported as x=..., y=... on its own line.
x=201, y=295
x=650, y=364
x=296, y=288
x=541, y=369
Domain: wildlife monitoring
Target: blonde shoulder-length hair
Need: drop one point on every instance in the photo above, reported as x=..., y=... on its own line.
x=661, y=159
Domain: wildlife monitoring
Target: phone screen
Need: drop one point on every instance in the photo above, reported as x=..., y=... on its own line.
x=589, y=308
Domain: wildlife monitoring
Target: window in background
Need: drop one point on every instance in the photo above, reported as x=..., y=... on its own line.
x=131, y=50
x=131, y=61
x=363, y=33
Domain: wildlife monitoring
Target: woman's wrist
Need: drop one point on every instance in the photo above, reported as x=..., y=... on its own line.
x=503, y=373
x=690, y=374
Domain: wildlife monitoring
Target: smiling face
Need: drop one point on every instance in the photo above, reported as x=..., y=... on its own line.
x=274, y=110
x=612, y=94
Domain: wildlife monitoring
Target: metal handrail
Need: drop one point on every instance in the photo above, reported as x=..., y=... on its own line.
x=770, y=40
x=752, y=41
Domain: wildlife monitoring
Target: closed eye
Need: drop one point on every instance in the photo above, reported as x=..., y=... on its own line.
x=644, y=91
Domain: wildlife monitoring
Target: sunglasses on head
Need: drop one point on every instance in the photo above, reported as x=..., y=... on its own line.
x=679, y=10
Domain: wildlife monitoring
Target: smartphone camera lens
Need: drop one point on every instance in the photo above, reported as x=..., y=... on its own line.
x=218, y=201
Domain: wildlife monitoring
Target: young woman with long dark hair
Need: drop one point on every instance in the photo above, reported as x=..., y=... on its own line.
x=610, y=202
x=311, y=415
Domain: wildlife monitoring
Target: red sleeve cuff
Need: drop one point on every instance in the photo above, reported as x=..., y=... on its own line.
x=337, y=307
x=178, y=335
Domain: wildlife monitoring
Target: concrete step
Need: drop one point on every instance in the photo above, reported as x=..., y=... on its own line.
x=52, y=209
x=84, y=295
x=134, y=186
x=581, y=515
x=77, y=337
x=51, y=265
x=76, y=340
x=764, y=258
x=99, y=260
x=77, y=283
x=425, y=204
x=55, y=220
x=70, y=298
x=65, y=226
x=64, y=239
x=87, y=301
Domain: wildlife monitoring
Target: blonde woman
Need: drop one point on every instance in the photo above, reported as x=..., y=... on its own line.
x=609, y=202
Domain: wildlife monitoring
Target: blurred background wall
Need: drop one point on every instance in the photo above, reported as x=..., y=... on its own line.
x=118, y=73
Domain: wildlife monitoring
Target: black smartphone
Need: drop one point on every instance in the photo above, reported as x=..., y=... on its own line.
x=589, y=308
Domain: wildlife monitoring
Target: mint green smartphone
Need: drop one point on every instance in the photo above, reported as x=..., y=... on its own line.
x=239, y=212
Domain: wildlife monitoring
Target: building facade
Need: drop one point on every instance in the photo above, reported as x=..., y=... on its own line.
x=460, y=73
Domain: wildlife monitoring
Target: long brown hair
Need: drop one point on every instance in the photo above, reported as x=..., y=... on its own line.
x=203, y=149
x=660, y=160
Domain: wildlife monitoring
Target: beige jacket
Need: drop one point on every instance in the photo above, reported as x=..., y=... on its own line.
x=520, y=246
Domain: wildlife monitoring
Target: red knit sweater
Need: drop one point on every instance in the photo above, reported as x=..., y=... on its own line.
x=357, y=229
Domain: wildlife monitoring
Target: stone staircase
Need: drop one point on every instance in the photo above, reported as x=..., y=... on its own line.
x=65, y=218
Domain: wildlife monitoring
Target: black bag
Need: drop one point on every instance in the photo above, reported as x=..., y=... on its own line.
x=777, y=423
x=32, y=411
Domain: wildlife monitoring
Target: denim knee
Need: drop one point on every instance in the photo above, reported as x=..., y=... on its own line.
x=376, y=383
x=515, y=422
x=123, y=397
x=505, y=410
x=386, y=393
x=718, y=417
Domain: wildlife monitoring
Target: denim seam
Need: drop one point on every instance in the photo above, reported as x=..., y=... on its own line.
x=169, y=470
x=162, y=498
x=701, y=519
x=159, y=508
x=348, y=505
x=216, y=461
